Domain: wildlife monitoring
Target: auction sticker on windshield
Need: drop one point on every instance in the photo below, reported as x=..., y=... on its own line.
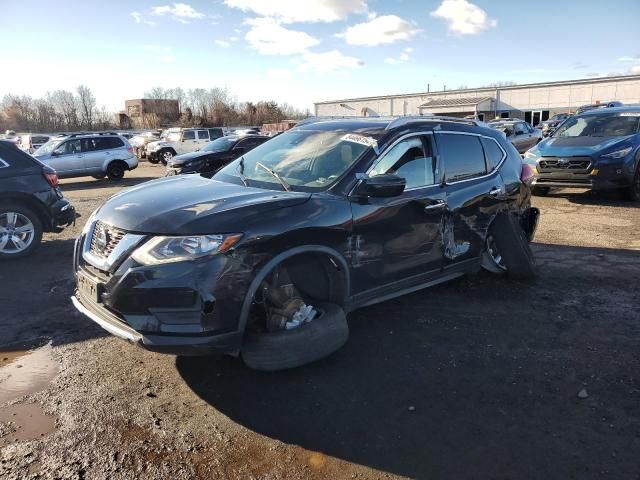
x=630, y=114
x=361, y=139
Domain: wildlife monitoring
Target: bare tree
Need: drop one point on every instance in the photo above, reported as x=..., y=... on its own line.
x=87, y=104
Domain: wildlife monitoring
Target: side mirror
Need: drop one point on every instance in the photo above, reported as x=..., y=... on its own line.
x=387, y=185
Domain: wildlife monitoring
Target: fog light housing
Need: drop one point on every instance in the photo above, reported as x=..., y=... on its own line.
x=594, y=172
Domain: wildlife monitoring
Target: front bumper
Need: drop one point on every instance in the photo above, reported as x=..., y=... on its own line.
x=183, y=308
x=601, y=175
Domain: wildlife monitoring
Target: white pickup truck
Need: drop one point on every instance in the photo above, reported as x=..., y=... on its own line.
x=181, y=140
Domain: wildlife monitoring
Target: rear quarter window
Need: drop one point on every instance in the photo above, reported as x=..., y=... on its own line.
x=12, y=157
x=493, y=154
x=463, y=156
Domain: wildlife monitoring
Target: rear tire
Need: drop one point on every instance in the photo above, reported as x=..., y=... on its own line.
x=632, y=192
x=271, y=351
x=165, y=156
x=16, y=216
x=115, y=171
x=511, y=241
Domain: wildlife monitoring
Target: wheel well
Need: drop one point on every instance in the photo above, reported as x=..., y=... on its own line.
x=31, y=203
x=124, y=164
x=318, y=272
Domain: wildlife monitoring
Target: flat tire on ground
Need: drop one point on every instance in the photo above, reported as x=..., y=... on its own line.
x=271, y=351
x=513, y=245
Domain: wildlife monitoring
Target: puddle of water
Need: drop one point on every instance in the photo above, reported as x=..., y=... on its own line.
x=28, y=422
x=25, y=372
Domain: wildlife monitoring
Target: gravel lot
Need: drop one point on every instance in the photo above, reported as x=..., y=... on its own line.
x=481, y=378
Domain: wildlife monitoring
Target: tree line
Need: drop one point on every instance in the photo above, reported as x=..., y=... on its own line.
x=63, y=110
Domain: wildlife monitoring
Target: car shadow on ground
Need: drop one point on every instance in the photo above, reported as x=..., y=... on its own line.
x=608, y=198
x=35, y=299
x=476, y=378
x=92, y=184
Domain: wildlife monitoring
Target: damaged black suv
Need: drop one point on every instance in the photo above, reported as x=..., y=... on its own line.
x=265, y=259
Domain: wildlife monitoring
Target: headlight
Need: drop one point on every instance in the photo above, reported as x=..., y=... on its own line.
x=178, y=249
x=530, y=154
x=618, y=153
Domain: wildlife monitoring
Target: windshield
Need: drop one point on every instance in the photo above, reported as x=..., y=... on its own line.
x=604, y=125
x=306, y=160
x=47, y=148
x=220, y=145
x=560, y=116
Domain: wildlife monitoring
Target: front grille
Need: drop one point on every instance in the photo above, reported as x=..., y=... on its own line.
x=104, y=239
x=562, y=164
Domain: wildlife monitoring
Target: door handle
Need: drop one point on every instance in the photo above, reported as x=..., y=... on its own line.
x=440, y=204
x=496, y=191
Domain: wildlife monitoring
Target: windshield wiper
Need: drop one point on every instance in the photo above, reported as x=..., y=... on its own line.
x=275, y=175
x=243, y=179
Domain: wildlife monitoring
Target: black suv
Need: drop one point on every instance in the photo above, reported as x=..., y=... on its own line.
x=30, y=202
x=265, y=258
x=214, y=155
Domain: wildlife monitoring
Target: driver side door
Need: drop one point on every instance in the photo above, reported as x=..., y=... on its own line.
x=397, y=241
x=67, y=158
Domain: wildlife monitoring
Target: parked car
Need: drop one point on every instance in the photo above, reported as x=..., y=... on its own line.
x=30, y=202
x=594, y=106
x=181, y=140
x=31, y=142
x=548, y=126
x=265, y=259
x=599, y=149
x=88, y=154
x=522, y=135
x=214, y=155
x=139, y=142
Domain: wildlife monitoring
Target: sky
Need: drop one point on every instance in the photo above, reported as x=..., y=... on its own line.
x=304, y=51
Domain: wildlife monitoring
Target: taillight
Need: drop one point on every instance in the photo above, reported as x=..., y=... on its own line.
x=130, y=149
x=528, y=173
x=50, y=176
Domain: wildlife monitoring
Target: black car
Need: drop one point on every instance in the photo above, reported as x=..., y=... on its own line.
x=548, y=126
x=265, y=258
x=214, y=155
x=30, y=202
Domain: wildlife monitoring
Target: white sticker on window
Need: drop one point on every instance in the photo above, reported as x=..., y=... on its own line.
x=630, y=114
x=361, y=139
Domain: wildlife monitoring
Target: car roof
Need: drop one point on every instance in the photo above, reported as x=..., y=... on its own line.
x=612, y=110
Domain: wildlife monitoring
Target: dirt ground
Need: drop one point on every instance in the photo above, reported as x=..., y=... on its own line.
x=480, y=378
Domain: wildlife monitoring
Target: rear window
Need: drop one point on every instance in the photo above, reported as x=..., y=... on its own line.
x=10, y=156
x=463, y=156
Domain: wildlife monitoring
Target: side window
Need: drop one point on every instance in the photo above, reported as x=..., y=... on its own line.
x=215, y=133
x=463, y=156
x=203, y=135
x=69, y=147
x=493, y=154
x=189, y=135
x=521, y=128
x=249, y=143
x=408, y=159
x=3, y=163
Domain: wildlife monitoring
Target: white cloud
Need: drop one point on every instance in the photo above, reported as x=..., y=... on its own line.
x=223, y=44
x=292, y=11
x=137, y=16
x=404, y=56
x=379, y=30
x=635, y=70
x=279, y=74
x=167, y=58
x=463, y=17
x=179, y=11
x=270, y=38
x=327, y=61
x=233, y=39
x=634, y=58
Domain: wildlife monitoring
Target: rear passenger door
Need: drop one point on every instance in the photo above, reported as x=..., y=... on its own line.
x=474, y=192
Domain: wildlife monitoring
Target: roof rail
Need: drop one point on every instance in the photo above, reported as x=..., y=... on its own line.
x=342, y=117
x=400, y=121
x=77, y=134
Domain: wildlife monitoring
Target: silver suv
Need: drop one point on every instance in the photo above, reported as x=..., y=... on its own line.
x=521, y=135
x=99, y=155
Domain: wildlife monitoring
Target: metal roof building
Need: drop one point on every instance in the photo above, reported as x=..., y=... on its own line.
x=533, y=102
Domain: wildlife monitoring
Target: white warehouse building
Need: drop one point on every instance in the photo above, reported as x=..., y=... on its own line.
x=533, y=102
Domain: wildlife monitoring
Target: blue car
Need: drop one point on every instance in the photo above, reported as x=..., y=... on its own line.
x=599, y=149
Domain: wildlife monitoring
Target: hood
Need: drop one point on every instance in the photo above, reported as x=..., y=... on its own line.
x=576, y=146
x=185, y=157
x=191, y=204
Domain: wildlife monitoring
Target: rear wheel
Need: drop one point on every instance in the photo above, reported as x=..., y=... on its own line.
x=20, y=231
x=166, y=156
x=512, y=250
x=115, y=171
x=632, y=192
